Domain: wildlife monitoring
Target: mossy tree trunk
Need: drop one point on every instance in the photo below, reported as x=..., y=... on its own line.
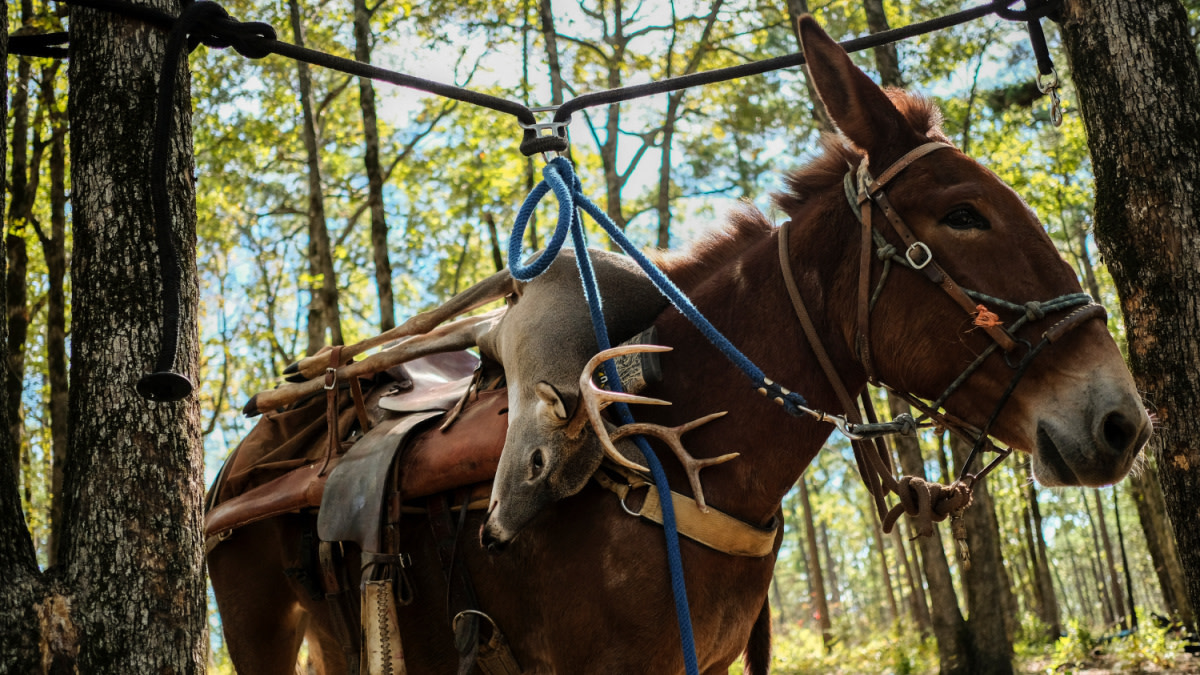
x=1138, y=80
x=127, y=592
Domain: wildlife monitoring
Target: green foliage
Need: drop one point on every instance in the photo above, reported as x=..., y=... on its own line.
x=1146, y=650
x=799, y=652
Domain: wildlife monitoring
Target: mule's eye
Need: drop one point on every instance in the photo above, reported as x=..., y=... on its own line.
x=966, y=218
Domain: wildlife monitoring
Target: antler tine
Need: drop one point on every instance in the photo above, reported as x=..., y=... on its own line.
x=673, y=437
x=593, y=399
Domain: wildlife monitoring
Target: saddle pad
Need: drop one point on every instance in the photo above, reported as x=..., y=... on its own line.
x=298, y=489
x=354, y=492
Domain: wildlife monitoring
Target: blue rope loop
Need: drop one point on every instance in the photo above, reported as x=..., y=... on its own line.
x=559, y=177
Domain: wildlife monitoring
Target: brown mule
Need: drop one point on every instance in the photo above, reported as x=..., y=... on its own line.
x=584, y=588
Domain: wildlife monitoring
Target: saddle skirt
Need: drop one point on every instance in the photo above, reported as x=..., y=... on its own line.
x=276, y=469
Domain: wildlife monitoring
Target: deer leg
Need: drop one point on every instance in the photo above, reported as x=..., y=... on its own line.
x=490, y=289
x=459, y=334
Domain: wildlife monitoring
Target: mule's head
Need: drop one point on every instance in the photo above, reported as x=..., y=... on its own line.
x=545, y=458
x=1076, y=409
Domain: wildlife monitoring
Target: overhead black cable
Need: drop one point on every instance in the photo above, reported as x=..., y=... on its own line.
x=210, y=24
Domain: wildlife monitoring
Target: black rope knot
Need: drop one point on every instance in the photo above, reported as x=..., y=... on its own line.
x=535, y=145
x=885, y=252
x=1034, y=311
x=209, y=24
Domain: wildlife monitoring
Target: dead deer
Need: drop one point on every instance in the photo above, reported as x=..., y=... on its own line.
x=542, y=340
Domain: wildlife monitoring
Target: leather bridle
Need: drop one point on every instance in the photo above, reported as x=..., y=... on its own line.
x=925, y=501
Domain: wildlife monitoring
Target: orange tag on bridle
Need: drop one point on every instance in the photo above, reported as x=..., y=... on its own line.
x=986, y=319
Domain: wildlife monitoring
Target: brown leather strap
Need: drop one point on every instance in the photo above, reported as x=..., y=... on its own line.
x=360, y=405
x=331, y=408
x=810, y=330
x=903, y=163
x=713, y=528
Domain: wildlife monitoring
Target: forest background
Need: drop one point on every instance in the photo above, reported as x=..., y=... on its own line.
x=329, y=209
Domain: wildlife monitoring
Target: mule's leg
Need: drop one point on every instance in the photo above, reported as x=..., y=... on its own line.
x=261, y=616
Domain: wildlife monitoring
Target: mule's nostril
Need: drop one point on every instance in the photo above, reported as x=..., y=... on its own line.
x=1119, y=432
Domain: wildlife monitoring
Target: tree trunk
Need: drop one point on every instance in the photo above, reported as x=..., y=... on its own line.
x=128, y=593
x=887, y=60
x=23, y=193
x=323, y=314
x=1138, y=81
x=884, y=571
x=674, y=104
x=917, y=607
x=797, y=9
x=1043, y=581
x=985, y=584
x=1114, y=581
x=949, y=628
x=835, y=593
x=54, y=250
x=1160, y=542
x=816, y=582
x=379, y=227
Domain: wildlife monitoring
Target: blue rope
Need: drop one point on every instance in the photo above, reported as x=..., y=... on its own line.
x=557, y=176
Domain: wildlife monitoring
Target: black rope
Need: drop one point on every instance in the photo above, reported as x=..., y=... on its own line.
x=208, y=23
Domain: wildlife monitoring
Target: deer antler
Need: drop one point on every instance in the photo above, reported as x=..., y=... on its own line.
x=594, y=399
x=673, y=437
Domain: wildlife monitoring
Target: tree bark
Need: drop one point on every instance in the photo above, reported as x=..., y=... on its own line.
x=674, y=105
x=1043, y=581
x=884, y=572
x=1114, y=581
x=379, y=227
x=54, y=251
x=323, y=314
x=816, y=582
x=985, y=583
x=23, y=185
x=917, y=607
x=128, y=593
x=955, y=653
x=1138, y=80
x=887, y=59
x=797, y=9
x=1160, y=542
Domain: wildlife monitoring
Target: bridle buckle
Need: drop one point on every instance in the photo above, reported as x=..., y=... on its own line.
x=918, y=246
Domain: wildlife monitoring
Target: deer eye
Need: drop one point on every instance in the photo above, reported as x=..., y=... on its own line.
x=536, y=463
x=966, y=218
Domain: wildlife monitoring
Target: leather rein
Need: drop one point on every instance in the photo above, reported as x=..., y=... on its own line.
x=925, y=501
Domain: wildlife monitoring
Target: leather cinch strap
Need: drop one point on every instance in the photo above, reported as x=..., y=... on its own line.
x=716, y=530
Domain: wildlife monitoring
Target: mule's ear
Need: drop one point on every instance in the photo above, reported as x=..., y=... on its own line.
x=856, y=104
x=550, y=403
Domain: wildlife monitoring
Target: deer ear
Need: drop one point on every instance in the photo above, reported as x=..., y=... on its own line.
x=550, y=403
x=862, y=111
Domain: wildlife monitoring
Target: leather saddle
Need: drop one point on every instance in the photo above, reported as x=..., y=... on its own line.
x=279, y=467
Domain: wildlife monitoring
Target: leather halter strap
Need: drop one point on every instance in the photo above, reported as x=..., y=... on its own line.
x=919, y=256
x=927, y=502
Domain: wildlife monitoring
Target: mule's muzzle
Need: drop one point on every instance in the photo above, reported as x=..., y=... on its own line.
x=1099, y=456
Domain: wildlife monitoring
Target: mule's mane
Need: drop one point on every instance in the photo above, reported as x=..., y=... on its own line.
x=829, y=168
x=748, y=225
x=743, y=228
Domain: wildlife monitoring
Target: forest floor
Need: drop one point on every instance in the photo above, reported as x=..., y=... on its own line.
x=1122, y=659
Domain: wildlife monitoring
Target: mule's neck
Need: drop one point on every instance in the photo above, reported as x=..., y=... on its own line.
x=744, y=296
